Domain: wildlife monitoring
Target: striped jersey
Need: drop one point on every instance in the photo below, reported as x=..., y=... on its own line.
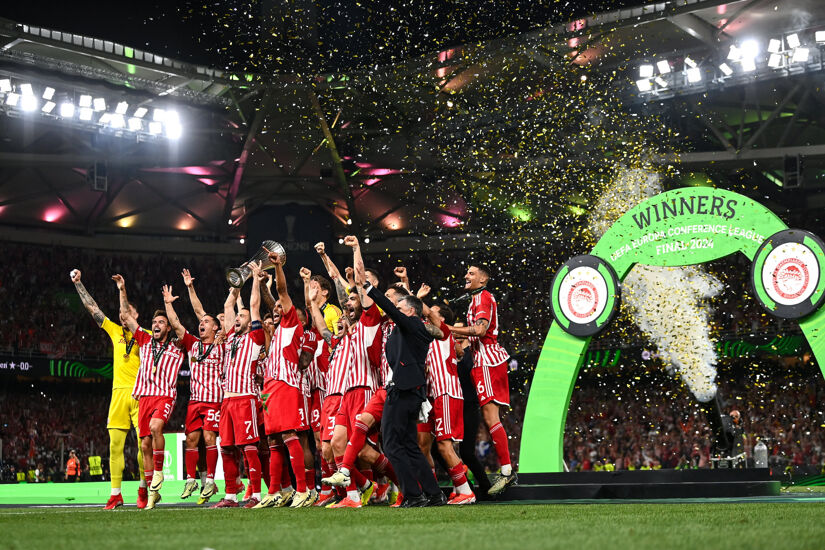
x=340, y=363
x=486, y=350
x=159, y=366
x=367, y=340
x=282, y=361
x=385, y=371
x=240, y=359
x=315, y=344
x=205, y=365
x=442, y=368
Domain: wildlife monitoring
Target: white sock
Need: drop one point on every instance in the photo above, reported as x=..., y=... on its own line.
x=344, y=471
x=143, y=483
x=353, y=495
x=256, y=495
x=203, y=478
x=188, y=479
x=463, y=489
x=115, y=491
x=232, y=497
x=506, y=469
x=286, y=490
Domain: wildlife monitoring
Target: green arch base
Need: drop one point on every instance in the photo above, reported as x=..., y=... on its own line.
x=681, y=227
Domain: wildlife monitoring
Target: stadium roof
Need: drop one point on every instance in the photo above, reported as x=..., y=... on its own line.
x=362, y=144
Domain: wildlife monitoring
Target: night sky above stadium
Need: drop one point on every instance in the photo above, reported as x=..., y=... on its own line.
x=253, y=35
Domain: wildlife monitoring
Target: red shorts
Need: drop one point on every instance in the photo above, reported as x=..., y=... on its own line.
x=284, y=407
x=239, y=420
x=153, y=406
x=375, y=407
x=200, y=415
x=492, y=384
x=315, y=410
x=329, y=410
x=448, y=418
x=353, y=402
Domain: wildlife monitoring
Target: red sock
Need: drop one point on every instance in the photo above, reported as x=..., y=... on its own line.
x=253, y=467
x=383, y=467
x=356, y=442
x=276, y=464
x=148, y=476
x=230, y=469
x=211, y=461
x=157, y=457
x=326, y=470
x=191, y=463
x=296, y=459
x=264, y=458
x=357, y=479
x=457, y=474
x=367, y=474
x=309, y=476
x=500, y=442
x=285, y=479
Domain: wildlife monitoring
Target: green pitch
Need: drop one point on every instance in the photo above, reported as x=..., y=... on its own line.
x=668, y=526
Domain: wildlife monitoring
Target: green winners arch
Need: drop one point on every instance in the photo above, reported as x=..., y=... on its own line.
x=682, y=227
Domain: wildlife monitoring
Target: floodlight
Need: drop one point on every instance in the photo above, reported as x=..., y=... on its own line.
x=690, y=63
x=85, y=101
x=116, y=121
x=694, y=75
x=26, y=89
x=734, y=54
x=820, y=37
x=48, y=93
x=775, y=61
x=661, y=82
x=135, y=124
x=48, y=107
x=104, y=118
x=774, y=45
x=155, y=128
x=750, y=49
x=85, y=113
x=12, y=99
x=644, y=85
x=5, y=85
x=173, y=130
x=793, y=41
x=67, y=110
x=725, y=68
x=140, y=112
x=645, y=71
x=800, y=55
x=28, y=103
x=121, y=108
x=100, y=104
x=159, y=115
x=748, y=64
x=663, y=66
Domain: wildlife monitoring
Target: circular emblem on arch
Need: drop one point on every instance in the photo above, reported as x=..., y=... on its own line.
x=787, y=273
x=585, y=295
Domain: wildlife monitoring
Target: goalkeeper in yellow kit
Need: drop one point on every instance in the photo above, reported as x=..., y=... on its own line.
x=123, y=410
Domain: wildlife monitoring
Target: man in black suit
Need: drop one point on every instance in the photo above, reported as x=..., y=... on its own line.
x=406, y=352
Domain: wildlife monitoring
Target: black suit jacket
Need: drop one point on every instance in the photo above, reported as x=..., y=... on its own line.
x=407, y=345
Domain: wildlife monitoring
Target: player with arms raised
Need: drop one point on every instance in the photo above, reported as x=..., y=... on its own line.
x=123, y=409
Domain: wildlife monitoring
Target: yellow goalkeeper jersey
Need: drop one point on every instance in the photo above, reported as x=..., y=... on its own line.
x=125, y=357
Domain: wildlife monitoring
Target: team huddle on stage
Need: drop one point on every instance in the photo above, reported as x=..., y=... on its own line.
x=267, y=378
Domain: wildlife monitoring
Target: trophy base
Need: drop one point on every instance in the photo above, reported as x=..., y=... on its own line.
x=235, y=277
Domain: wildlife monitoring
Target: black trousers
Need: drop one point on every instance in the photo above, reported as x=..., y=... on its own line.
x=399, y=433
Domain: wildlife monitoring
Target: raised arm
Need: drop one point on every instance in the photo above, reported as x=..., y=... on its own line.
x=125, y=313
x=334, y=274
x=359, y=269
x=280, y=281
x=189, y=281
x=266, y=292
x=255, y=297
x=85, y=297
x=174, y=322
x=422, y=293
x=401, y=273
x=478, y=329
x=315, y=312
x=229, y=309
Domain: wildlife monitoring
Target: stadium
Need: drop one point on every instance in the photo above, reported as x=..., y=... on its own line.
x=552, y=268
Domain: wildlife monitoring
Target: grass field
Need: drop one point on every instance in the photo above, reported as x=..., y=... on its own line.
x=671, y=526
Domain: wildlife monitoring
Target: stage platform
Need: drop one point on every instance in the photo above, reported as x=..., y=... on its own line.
x=644, y=484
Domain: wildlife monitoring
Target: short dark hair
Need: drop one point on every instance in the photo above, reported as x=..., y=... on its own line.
x=214, y=319
x=133, y=305
x=160, y=313
x=374, y=274
x=268, y=315
x=446, y=312
x=415, y=303
x=323, y=282
x=484, y=269
x=400, y=289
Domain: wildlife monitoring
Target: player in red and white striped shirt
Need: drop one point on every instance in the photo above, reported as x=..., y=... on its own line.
x=155, y=388
x=206, y=393
x=239, y=423
x=283, y=399
x=490, y=367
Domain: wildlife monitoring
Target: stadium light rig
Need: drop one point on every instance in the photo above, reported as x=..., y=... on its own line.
x=21, y=97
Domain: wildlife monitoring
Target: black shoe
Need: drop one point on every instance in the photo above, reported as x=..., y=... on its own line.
x=437, y=499
x=415, y=502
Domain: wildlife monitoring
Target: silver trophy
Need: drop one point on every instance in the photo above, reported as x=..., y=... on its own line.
x=237, y=276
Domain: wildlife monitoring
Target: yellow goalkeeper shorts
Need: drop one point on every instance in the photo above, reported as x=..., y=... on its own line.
x=123, y=410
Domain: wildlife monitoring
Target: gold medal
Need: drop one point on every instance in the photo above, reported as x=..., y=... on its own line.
x=126, y=356
x=154, y=370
